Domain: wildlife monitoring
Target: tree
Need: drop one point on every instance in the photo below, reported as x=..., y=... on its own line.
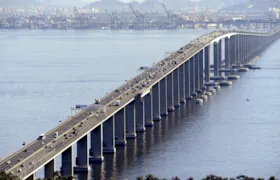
x=8, y=176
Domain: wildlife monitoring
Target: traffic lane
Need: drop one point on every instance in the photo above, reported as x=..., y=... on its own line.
x=45, y=153
x=31, y=149
x=30, y=162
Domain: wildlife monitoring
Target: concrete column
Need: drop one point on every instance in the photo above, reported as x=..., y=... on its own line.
x=227, y=53
x=187, y=80
x=31, y=177
x=120, y=125
x=196, y=62
x=156, y=102
x=140, y=115
x=216, y=54
x=201, y=70
x=130, y=120
x=246, y=49
x=237, y=49
x=249, y=47
x=233, y=50
x=109, y=136
x=148, y=102
x=207, y=63
x=241, y=48
x=82, y=160
x=219, y=56
x=192, y=75
x=96, y=144
x=66, y=169
x=176, y=79
x=182, y=83
x=50, y=169
x=163, y=97
x=170, y=97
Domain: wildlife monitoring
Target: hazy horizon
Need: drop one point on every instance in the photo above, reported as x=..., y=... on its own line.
x=4, y=3
x=54, y=2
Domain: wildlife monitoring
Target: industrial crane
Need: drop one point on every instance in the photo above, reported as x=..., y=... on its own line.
x=44, y=24
x=114, y=21
x=6, y=12
x=139, y=19
x=81, y=20
x=41, y=15
x=12, y=11
x=172, y=19
x=11, y=18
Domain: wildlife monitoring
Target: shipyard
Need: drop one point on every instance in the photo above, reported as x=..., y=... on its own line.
x=150, y=14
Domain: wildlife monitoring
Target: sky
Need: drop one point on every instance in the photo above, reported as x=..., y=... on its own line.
x=55, y=2
x=82, y=2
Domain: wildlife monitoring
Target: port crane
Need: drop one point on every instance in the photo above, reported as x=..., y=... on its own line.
x=172, y=19
x=139, y=19
x=11, y=18
x=114, y=20
x=45, y=23
x=41, y=15
x=82, y=21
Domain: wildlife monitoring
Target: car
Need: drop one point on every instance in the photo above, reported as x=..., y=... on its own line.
x=97, y=101
x=55, y=135
x=41, y=137
x=117, y=103
x=8, y=162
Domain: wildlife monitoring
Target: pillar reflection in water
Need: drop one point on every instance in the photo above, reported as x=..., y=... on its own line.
x=110, y=166
x=97, y=171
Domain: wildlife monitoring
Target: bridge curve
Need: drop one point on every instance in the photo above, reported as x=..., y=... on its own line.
x=135, y=105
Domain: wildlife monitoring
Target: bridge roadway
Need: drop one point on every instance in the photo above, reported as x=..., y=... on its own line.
x=36, y=154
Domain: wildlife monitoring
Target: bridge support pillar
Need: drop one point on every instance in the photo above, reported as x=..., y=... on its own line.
x=31, y=177
x=237, y=51
x=241, y=49
x=156, y=102
x=187, y=80
x=96, y=140
x=196, y=70
x=232, y=50
x=248, y=47
x=201, y=71
x=109, y=136
x=130, y=121
x=120, y=124
x=170, y=96
x=207, y=63
x=176, y=79
x=82, y=159
x=163, y=97
x=216, y=59
x=148, y=101
x=245, y=48
x=182, y=83
x=219, y=57
x=66, y=169
x=192, y=77
x=227, y=53
x=140, y=115
x=50, y=169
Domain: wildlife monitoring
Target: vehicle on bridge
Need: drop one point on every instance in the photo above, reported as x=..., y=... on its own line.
x=42, y=136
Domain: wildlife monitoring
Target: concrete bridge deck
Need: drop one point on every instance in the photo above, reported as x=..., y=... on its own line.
x=38, y=153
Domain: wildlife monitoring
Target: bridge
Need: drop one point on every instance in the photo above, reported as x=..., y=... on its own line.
x=134, y=106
